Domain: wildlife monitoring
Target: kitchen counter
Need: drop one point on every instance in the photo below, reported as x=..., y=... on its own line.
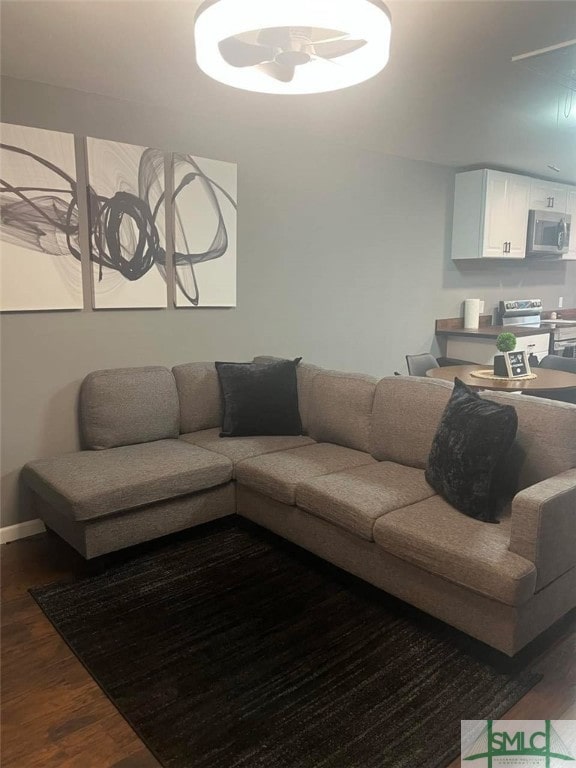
x=454, y=326
x=492, y=331
x=479, y=344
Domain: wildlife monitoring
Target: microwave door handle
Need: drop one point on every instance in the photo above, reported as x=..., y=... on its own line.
x=561, y=233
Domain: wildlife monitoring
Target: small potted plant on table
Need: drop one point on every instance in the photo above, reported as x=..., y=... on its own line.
x=506, y=342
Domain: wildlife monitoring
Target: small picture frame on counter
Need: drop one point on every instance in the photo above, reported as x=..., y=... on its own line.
x=517, y=364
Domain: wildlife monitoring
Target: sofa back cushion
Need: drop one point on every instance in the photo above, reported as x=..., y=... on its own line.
x=406, y=414
x=124, y=406
x=199, y=395
x=545, y=443
x=305, y=374
x=340, y=408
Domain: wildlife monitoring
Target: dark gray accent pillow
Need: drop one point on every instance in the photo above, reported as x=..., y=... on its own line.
x=469, y=451
x=259, y=398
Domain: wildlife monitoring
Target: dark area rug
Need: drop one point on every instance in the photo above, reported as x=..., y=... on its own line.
x=232, y=650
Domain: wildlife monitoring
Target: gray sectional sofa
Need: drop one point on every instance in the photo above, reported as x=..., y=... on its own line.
x=351, y=490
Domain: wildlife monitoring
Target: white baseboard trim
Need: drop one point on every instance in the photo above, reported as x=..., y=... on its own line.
x=21, y=530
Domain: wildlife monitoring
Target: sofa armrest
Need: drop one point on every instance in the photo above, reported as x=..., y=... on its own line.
x=544, y=526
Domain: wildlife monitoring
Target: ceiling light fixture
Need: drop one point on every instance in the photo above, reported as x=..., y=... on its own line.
x=292, y=46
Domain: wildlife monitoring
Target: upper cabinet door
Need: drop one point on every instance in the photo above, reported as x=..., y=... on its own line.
x=547, y=196
x=506, y=215
x=571, y=210
x=518, y=197
x=496, y=226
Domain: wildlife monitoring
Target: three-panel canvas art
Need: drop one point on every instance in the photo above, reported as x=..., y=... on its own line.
x=129, y=215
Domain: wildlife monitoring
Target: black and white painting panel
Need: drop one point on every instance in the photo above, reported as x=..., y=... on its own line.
x=40, y=265
x=126, y=211
x=204, y=210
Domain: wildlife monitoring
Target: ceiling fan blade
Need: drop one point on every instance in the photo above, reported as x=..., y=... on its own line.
x=331, y=50
x=274, y=37
x=282, y=72
x=343, y=36
x=280, y=37
x=237, y=53
x=319, y=34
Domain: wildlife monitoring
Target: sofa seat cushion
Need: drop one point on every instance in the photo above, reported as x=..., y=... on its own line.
x=356, y=498
x=239, y=448
x=436, y=537
x=278, y=474
x=91, y=484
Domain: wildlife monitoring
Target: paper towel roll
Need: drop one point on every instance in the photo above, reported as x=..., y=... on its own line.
x=471, y=313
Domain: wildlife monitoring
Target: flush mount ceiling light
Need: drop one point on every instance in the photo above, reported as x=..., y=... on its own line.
x=292, y=46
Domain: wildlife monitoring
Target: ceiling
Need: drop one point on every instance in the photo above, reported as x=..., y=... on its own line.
x=449, y=95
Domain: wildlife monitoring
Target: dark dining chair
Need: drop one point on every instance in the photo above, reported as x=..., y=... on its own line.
x=419, y=364
x=558, y=363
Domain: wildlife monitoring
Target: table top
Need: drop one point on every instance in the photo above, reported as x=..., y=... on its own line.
x=546, y=379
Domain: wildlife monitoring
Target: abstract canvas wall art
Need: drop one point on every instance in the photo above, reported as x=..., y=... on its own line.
x=126, y=214
x=204, y=207
x=127, y=210
x=40, y=265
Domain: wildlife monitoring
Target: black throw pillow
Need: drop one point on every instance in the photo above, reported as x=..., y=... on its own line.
x=468, y=453
x=259, y=398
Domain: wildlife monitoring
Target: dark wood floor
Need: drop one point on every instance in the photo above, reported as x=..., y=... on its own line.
x=55, y=716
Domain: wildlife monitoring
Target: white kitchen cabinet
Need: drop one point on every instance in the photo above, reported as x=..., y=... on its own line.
x=490, y=215
x=547, y=196
x=571, y=209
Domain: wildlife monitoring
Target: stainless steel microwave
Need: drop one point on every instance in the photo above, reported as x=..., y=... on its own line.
x=548, y=234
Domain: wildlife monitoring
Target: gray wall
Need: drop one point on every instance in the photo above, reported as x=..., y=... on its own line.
x=342, y=258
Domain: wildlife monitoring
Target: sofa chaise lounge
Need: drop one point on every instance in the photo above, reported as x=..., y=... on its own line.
x=351, y=489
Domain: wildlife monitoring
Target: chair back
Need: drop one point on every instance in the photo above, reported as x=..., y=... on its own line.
x=558, y=363
x=419, y=364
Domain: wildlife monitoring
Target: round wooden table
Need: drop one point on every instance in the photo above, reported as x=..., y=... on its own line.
x=546, y=379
